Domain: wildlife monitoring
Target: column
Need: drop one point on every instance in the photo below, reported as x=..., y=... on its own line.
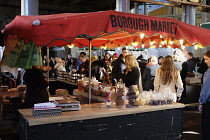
x=29, y=7
x=123, y=6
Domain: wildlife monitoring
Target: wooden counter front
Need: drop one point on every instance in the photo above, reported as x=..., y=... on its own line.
x=92, y=111
x=96, y=122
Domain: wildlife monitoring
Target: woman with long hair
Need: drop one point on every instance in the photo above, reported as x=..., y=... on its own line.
x=167, y=78
x=132, y=75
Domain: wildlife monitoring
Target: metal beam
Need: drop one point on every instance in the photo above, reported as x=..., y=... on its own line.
x=189, y=3
x=158, y=3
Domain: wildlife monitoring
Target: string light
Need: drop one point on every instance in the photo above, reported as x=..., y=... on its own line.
x=196, y=47
x=134, y=43
x=181, y=41
x=152, y=42
x=163, y=42
x=141, y=35
x=183, y=47
x=142, y=45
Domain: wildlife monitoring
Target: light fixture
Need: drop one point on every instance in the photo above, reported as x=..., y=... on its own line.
x=141, y=35
x=161, y=36
x=160, y=46
x=183, y=47
x=152, y=42
x=171, y=41
x=70, y=45
x=134, y=43
x=196, y=47
x=142, y=45
x=163, y=42
x=169, y=46
x=181, y=41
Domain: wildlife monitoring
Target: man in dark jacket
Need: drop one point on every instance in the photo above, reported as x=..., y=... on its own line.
x=119, y=66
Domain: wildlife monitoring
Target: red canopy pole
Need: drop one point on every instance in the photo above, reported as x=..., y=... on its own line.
x=89, y=92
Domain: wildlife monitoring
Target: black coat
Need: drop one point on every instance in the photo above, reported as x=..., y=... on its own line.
x=118, y=70
x=35, y=87
x=96, y=69
x=149, y=76
x=132, y=78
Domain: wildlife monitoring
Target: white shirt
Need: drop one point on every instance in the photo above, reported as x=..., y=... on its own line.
x=159, y=87
x=59, y=67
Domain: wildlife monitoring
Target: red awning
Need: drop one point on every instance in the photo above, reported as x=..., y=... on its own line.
x=109, y=28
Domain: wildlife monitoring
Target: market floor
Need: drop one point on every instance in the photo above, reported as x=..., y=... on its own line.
x=192, y=121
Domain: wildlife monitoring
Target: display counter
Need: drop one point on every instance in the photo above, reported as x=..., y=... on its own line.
x=83, y=97
x=55, y=84
x=95, y=121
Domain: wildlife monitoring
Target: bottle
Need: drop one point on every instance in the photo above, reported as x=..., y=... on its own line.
x=108, y=101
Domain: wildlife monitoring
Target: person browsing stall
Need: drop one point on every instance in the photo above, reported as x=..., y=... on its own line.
x=204, y=100
x=119, y=66
x=132, y=75
x=167, y=77
x=36, y=85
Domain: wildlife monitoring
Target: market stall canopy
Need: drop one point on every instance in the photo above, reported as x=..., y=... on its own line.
x=106, y=29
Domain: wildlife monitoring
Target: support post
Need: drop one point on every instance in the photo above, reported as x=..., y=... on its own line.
x=89, y=91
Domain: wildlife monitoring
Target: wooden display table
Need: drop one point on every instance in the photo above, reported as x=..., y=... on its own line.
x=83, y=97
x=55, y=84
x=95, y=122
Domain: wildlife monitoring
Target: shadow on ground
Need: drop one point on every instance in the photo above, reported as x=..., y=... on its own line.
x=192, y=123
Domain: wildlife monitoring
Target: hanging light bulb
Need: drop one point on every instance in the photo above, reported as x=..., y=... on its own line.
x=160, y=46
x=183, y=47
x=169, y=46
x=70, y=45
x=171, y=41
x=161, y=36
x=196, y=47
x=142, y=45
x=181, y=41
x=152, y=42
x=134, y=43
x=163, y=42
x=141, y=35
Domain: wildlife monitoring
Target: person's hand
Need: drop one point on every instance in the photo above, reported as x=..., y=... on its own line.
x=200, y=107
x=74, y=70
x=47, y=68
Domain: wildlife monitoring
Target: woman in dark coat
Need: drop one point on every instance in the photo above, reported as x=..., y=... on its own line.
x=132, y=75
x=36, y=85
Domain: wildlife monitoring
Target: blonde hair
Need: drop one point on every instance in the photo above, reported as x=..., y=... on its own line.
x=130, y=62
x=153, y=59
x=168, y=71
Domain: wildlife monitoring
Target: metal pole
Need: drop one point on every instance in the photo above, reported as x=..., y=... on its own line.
x=89, y=92
x=187, y=18
x=192, y=15
x=183, y=13
x=136, y=8
x=48, y=55
x=29, y=7
x=145, y=8
x=123, y=6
